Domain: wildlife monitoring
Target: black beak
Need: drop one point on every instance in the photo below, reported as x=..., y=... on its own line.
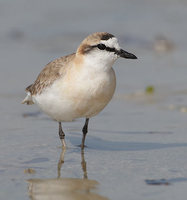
x=125, y=54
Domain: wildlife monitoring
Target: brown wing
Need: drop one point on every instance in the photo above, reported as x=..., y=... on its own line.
x=49, y=74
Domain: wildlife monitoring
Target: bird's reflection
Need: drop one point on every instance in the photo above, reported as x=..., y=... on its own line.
x=64, y=188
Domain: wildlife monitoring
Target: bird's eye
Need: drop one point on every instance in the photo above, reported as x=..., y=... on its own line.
x=101, y=46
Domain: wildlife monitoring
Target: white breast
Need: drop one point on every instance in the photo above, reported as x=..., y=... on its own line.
x=81, y=93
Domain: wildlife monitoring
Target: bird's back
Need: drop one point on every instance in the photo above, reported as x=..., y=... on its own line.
x=51, y=72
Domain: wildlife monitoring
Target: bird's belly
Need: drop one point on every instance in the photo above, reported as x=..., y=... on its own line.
x=65, y=101
x=91, y=104
x=57, y=108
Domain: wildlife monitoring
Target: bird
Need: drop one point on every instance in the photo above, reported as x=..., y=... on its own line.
x=78, y=85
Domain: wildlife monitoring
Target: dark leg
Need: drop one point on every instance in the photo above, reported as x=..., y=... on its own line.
x=84, y=131
x=62, y=135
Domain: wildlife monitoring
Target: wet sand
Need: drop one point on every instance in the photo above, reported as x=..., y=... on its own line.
x=137, y=145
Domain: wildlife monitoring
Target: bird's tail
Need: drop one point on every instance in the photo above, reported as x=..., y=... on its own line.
x=28, y=99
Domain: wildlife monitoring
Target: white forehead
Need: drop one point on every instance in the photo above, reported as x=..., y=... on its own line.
x=112, y=42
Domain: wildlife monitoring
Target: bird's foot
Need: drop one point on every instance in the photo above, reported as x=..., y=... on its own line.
x=82, y=146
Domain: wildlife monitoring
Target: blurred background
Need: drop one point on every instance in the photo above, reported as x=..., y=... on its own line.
x=35, y=32
x=151, y=94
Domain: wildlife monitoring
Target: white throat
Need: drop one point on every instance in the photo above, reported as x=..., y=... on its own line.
x=99, y=62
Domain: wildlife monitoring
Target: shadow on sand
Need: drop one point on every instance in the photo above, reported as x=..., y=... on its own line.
x=106, y=145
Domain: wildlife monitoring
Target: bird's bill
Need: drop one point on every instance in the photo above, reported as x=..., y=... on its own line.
x=124, y=54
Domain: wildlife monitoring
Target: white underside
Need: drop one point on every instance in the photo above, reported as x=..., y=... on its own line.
x=83, y=96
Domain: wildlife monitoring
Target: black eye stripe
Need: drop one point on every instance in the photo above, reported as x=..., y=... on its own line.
x=103, y=47
x=110, y=49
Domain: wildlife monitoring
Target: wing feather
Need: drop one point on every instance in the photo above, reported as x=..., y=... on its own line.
x=49, y=74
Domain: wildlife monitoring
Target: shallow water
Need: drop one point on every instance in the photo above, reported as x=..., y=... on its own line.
x=139, y=137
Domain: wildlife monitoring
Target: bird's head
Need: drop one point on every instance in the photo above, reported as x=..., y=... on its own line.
x=102, y=48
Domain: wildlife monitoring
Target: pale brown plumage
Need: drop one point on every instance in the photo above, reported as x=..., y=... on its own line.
x=49, y=74
x=55, y=69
